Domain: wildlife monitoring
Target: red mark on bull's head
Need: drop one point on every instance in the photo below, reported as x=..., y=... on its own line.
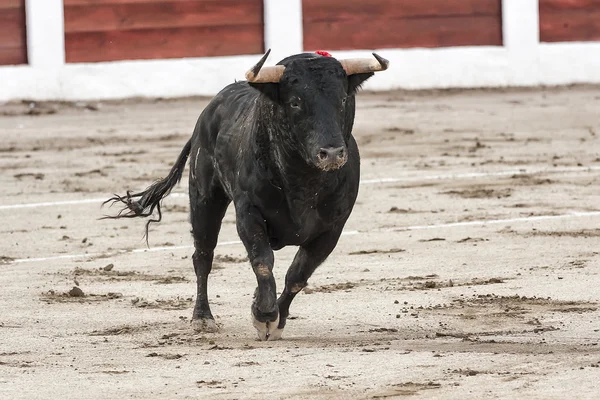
x=323, y=53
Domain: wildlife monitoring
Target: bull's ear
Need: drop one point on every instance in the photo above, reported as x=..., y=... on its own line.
x=271, y=90
x=355, y=82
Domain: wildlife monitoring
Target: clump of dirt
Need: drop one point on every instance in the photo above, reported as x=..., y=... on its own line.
x=76, y=292
x=376, y=251
x=402, y=131
x=28, y=107
x=116, y=372
x=76, y=295
x=229, y=259
x=383, y=330
x=494, y=315
x=165, y=356
x=334, y=287
x=520, y=301
x=406, y=389
x=173, y=136
x=37, y=176
x=177, y=303
x=214, y=384
x=6, y=260
x=431, y=281
x=91, y=172
x=184, y=336
x=123, y=330
x=510, y=311
x=171, y=279
x=468, y=372
x=103, y=271
x=19, y=364
x=111, y=274
x=584, y=233
x=420, y=278
x=480, y=193
x=123, y=153
x=396, y=210
x=246, y=363
x=531, y=180
x=472, y=240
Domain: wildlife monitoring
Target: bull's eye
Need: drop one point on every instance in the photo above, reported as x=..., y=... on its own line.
x=344, y=102
x=295, y=104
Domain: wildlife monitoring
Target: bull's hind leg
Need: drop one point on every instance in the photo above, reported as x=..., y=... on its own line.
x=306, y=261
x=206, y=213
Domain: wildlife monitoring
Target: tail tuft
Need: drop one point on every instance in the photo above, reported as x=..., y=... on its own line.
x=144, y=203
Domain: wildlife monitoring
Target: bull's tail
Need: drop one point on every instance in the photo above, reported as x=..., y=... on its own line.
x=142, y=204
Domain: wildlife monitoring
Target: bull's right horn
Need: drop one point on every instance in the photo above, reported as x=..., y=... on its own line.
x=258, y=74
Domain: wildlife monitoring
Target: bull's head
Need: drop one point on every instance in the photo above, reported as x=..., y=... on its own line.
x=315, y=96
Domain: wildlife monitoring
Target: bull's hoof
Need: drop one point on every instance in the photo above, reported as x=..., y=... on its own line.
x=204, y=325
x=275, y=334
x=267, y=330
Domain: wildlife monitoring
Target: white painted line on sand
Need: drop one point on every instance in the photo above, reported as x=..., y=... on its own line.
x=467, y=175
x=50, y=203
x=66, y=202
x=573, y=214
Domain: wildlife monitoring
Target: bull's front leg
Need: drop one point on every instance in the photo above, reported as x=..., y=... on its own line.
x=253, y=232
x=306, y=261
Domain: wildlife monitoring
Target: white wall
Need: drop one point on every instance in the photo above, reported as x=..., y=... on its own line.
x=522, y=61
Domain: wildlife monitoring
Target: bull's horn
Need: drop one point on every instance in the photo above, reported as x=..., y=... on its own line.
x=364, y=65
x=258, y=74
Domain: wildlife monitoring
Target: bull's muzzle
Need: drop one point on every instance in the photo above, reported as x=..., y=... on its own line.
x=331, y=158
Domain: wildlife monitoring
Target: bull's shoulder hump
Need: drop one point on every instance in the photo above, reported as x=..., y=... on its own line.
x=231, y=100
x=238, y=92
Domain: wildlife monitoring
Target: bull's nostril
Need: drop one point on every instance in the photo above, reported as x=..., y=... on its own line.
x=341, y=154
x=323, y=154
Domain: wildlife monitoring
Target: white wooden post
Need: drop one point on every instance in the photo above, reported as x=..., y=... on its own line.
x=283, y=28
x=521, y=35
x=45, y=33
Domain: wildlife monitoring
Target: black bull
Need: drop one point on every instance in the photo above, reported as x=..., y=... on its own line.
x=279, y=146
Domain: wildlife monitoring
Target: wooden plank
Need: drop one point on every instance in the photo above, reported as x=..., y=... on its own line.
x=13, y=55
x=404, y=33
x=569, y=26
x=161, y=15
x=12, y=28
x=557, y=5
x=13, y=43
x=164, y=43
x=96, y=2
x=352, y=10
x=5, y=4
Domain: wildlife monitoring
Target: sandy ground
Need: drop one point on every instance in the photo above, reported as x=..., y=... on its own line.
x=422, y=296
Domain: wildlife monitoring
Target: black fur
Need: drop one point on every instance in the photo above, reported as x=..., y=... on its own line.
x=258, y=146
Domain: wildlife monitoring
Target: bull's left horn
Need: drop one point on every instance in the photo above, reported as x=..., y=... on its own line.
x=258, y=74
x=364, y=65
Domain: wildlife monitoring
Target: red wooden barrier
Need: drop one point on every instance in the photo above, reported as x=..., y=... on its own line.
x=369, y=24
x=569, y=20
x=13, y=42
x=108, y=30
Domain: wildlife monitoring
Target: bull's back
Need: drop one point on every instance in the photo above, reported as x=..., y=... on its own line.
x=225, y=114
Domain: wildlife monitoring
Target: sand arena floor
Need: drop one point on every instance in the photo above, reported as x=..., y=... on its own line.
x=469, y=268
